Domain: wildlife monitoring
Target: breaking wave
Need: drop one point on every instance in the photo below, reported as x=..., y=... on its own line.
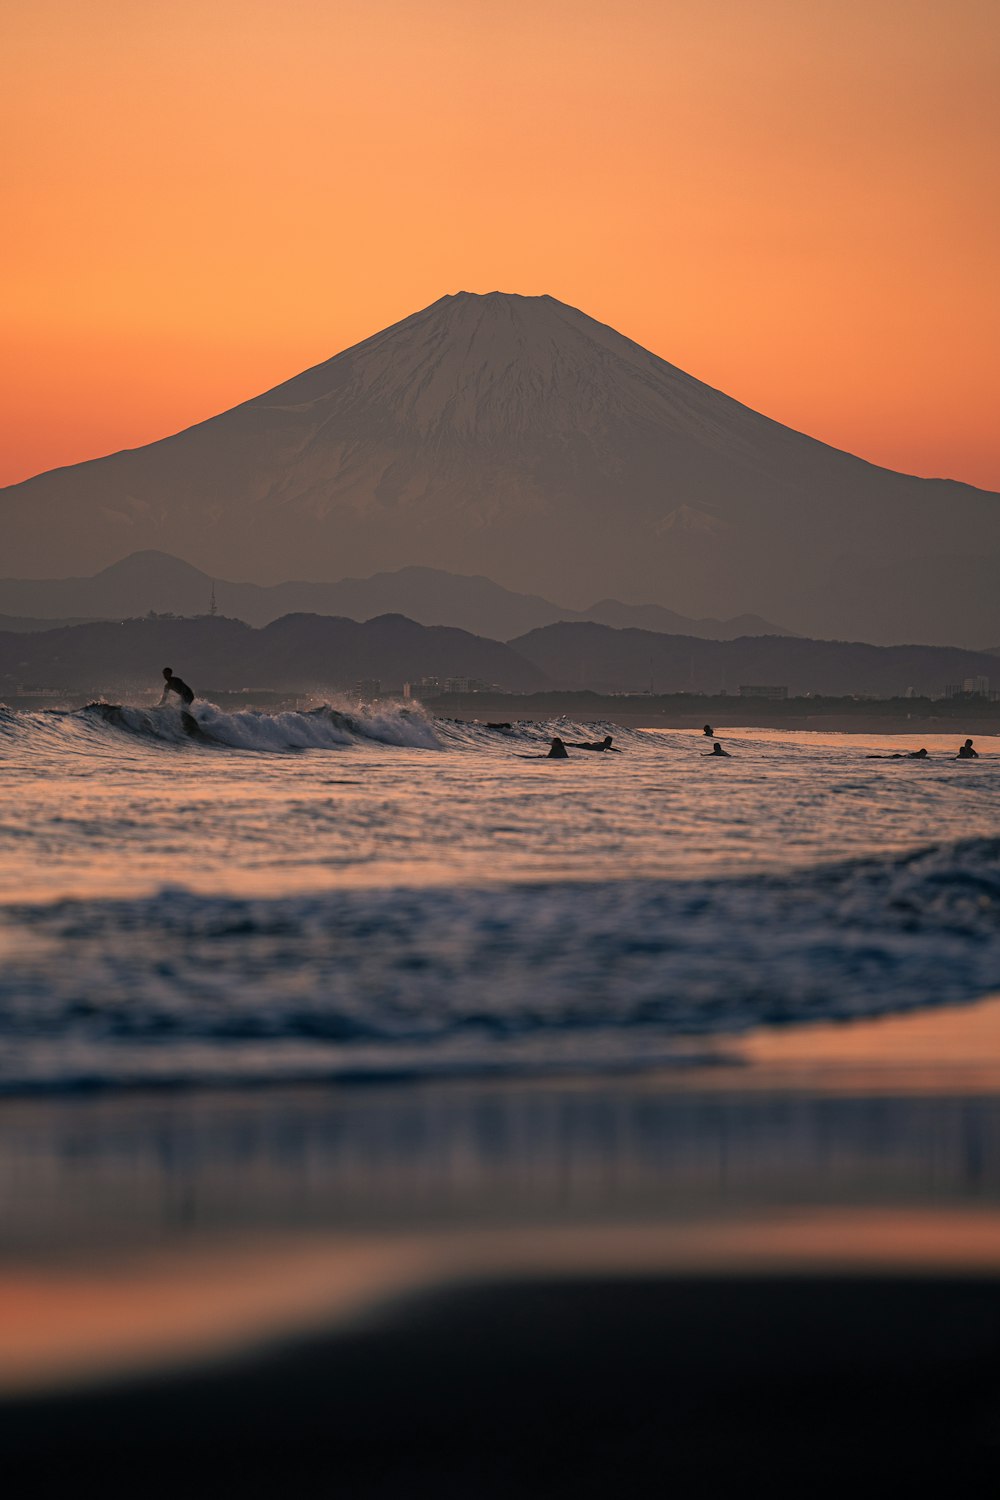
x=322, y=728
x=204, y=724
x=183, y=989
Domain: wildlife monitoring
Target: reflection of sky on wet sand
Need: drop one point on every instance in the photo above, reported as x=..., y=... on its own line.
x=819, y=1115
x=158, y=1228
x=72, y=1326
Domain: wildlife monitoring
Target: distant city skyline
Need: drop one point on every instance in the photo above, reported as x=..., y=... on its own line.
x=794, y=204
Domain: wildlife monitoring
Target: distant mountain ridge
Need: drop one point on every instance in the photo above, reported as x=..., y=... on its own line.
x=517, y=437
x=604, y=660
x=298, y=653
x=157, y=581
x=26, y=625
x=324, y=655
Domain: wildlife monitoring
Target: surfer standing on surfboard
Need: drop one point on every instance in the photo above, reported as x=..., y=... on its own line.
x=175, y=685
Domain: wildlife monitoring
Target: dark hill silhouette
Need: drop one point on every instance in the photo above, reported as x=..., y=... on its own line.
x=323, y=654
x=27, y=625
x=609, y=661
x=157, y=581
x=299, y=653
x=517, y=437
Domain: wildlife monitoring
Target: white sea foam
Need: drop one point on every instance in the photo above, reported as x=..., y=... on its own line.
x=182, y=988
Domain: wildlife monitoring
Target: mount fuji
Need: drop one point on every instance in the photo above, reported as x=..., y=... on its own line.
x=518, y=438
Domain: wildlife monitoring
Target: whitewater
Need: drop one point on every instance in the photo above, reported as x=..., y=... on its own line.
x=345, y=893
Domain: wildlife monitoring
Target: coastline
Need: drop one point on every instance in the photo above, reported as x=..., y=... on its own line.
x=729, y=713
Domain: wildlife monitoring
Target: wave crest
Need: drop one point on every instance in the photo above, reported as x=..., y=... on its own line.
x=323, y=728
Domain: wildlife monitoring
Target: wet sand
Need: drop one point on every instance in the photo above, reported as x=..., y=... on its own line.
x=783, y=1261
x=560, y=1387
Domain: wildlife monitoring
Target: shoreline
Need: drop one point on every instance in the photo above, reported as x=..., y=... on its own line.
x=563, y=1286
x=152, y=1233
x=597, y=1385
x=958, y=717
x=734, y=722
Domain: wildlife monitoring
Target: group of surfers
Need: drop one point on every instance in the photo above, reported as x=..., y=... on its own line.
x=559, y=750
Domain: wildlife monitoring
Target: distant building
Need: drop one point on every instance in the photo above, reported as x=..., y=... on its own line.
x=775, y=694
x=979, y=686
x=436, y=685
x=368, y=687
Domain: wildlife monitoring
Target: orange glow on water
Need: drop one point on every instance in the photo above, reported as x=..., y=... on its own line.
x=796, y=204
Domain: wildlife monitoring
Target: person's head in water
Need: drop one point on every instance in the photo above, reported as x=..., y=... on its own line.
x=557, y=750
x=708, y=730
x=968, y=744
x=607, y=742
x=919, y=754
x=718, y=750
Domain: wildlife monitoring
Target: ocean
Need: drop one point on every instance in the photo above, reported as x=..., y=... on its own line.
x=376, y=894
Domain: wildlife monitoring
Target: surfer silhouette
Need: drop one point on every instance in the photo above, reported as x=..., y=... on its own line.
x=716, y=750
x=901, y=755
x=604, y=744
x=175, y=685
x=556, y=751
x=708, y=730
x=966, y=752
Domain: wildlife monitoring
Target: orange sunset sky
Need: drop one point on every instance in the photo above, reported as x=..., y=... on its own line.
x=797, y=201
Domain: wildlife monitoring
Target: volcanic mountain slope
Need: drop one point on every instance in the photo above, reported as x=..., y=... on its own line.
x=517, y=437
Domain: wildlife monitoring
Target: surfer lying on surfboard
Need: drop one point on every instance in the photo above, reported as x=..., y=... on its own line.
x=604, y=744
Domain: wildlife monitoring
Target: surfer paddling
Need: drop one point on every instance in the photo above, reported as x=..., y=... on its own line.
x=556, y=751
x=599, y=745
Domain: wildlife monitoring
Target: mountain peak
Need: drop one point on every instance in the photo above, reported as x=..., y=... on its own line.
x=515, y=436
x=151, y=564
x=482, y=364
x=494, y=297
